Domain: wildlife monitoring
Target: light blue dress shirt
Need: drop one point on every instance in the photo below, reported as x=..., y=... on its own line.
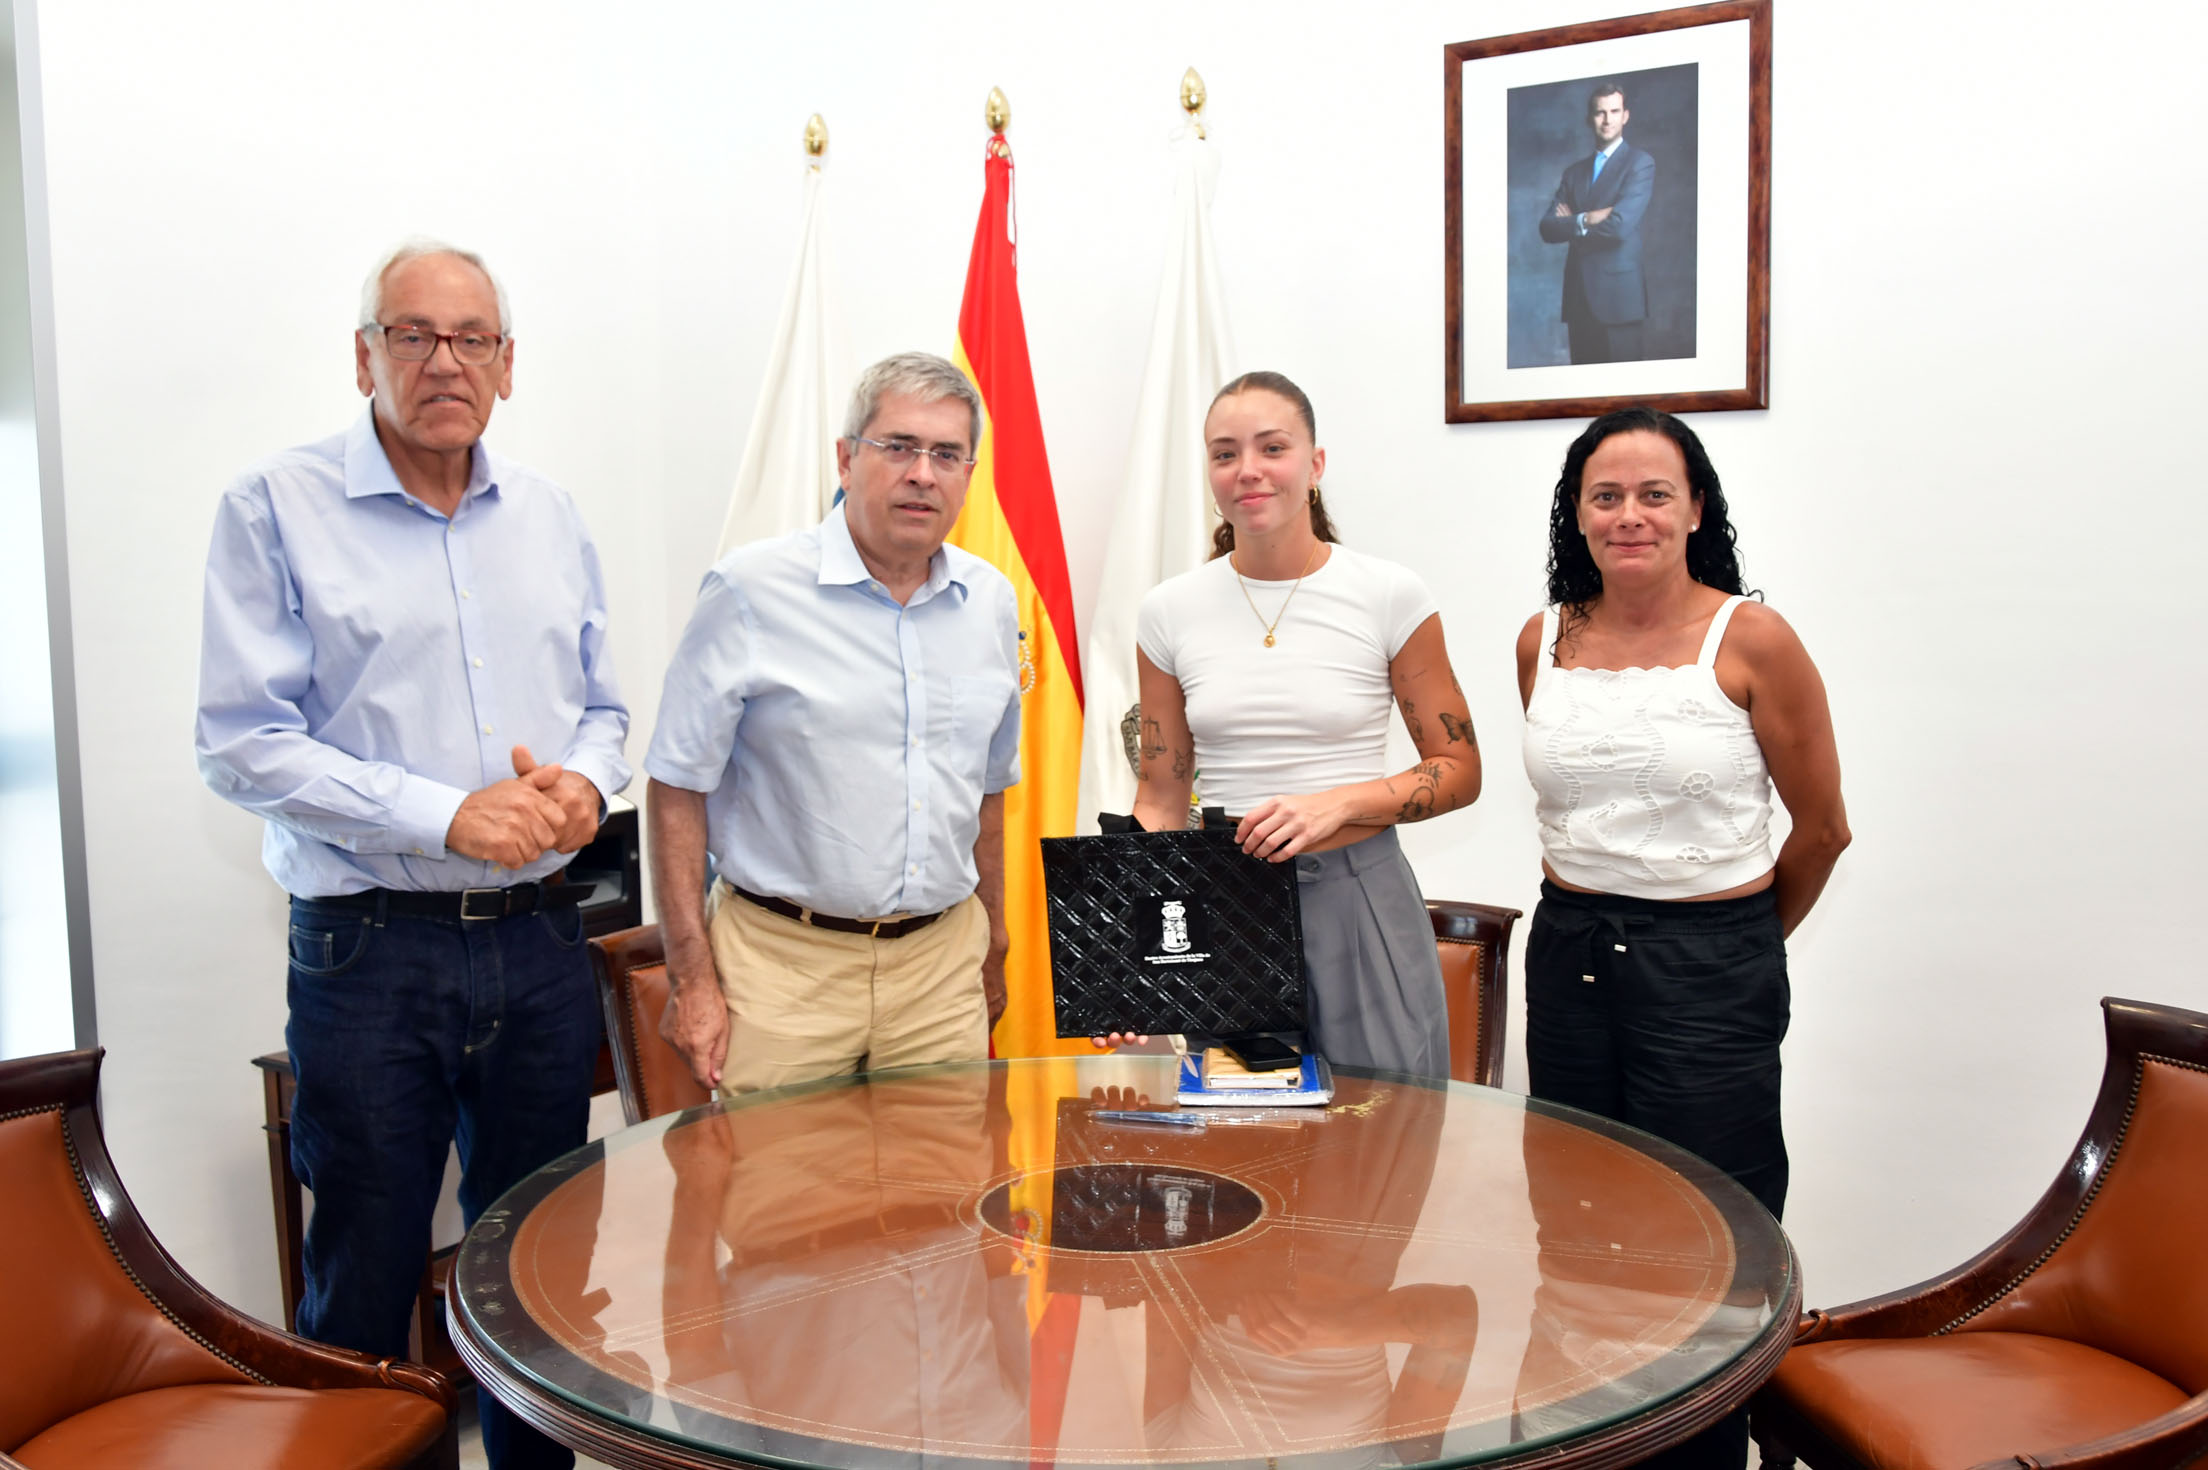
x=846, y=742
x=366, y=663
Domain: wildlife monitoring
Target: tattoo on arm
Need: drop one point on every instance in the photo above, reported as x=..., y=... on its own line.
x=1182, y=759
x=1410, y=718
x=1153, y=741
x=1457, y=727
x=1420, y=805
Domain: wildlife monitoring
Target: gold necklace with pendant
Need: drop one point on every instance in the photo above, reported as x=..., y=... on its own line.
x=1291, y=597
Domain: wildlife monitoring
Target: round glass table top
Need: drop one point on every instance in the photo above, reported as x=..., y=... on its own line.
x=977, y=1264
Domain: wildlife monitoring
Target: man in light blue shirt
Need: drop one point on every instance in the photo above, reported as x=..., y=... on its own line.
x=838, y=728
x=403, y=670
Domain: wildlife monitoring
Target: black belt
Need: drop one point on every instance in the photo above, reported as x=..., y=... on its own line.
x=465, y=903
x=872, y=928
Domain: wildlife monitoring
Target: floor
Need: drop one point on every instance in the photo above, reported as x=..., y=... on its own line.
x=471, y=1440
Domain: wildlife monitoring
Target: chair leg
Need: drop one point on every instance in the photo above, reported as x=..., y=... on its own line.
x=1771, y=1453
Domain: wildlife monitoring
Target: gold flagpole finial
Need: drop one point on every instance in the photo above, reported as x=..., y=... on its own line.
x=816, y=139
x=1192, y=99
x=998, y=113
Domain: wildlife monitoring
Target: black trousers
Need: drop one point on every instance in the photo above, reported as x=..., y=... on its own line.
x=1594, y=341
x=1667, y=1017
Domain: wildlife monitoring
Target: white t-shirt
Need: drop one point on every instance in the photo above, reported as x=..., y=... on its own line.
x=1307, y=714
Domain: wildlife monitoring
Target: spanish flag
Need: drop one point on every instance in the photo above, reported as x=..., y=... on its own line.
x=1011, y=521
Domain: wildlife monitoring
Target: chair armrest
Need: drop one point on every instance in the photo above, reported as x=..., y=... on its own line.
x=276, y=1355
x=279, y=1356
x=2179, y=1437
x=1933, y=1305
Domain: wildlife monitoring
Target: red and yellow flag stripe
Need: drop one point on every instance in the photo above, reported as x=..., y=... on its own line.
x=1011, y=521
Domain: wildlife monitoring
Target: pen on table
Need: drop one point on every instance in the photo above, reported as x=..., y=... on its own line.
x=1129, y=1115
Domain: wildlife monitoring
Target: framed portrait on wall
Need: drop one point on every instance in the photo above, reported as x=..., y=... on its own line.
x=1607, y=216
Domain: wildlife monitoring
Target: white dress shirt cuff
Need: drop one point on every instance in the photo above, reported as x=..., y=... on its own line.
x=599, y=773
x=423, y=816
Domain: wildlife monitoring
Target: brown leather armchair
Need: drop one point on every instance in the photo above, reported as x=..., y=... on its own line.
x=2075, y=1340
x=1474, y=941
x=113, y=1357
x=632, y=987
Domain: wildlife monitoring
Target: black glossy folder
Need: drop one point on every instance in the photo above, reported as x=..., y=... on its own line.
x=1164, y=932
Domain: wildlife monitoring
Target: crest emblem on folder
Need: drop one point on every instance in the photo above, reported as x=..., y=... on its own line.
x=1173, y=927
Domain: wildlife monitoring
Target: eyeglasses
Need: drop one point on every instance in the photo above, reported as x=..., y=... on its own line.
x=409, y=343
x=901, y=452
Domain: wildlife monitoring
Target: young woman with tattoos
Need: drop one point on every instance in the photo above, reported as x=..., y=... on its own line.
x=1273, y=668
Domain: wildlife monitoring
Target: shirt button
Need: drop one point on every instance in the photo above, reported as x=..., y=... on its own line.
x=417, y=852
x=916, y=806
x=912, y=867
x=486, y=729
x=479, y=663
x=465, y=593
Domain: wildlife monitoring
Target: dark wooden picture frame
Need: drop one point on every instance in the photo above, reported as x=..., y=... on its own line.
x=1694, y=392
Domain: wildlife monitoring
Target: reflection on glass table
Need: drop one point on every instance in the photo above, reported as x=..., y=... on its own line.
x=969, y=1266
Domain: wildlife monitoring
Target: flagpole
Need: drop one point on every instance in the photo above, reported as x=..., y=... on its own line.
x=786, y=478
x=1163, y=517
x=1192, y=101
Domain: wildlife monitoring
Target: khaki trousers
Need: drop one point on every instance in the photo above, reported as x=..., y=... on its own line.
x=807, y=1003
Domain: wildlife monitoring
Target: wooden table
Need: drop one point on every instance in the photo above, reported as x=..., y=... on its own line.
x=964, y=1267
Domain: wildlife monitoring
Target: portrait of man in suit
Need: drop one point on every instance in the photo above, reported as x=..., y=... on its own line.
x=1596, y=215
x=1603, y=176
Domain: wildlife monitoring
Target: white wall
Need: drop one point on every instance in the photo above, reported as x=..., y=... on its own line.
x=35, y=997
x=1963, y=497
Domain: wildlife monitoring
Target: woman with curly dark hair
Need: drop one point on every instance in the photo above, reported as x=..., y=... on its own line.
x=1663, y=709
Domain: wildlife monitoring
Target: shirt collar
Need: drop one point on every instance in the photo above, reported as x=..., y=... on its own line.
x=841, y=565
x=368, y=469
x=1615, y=144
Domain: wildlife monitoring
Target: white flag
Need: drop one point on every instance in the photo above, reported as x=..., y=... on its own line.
x=788, y=476
x=1163, y=525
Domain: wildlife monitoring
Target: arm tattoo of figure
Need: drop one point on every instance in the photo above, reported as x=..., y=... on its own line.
x=1182, y=759
x=1457, y=727
x=1153, y=741
x=1421, y=802
x=1410, y=718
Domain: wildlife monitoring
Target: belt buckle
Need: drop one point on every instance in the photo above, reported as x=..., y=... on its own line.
x=494, y=899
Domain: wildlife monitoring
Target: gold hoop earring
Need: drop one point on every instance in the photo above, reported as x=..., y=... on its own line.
x=1314, y=492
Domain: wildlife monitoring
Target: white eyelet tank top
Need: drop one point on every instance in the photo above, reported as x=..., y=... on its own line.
x=1646, y=782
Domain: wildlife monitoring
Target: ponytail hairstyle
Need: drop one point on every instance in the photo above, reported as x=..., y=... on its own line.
x=1222, y=538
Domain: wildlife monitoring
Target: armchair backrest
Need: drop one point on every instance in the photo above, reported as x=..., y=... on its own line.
x=1474, y=943
x=633, y=989
x=76, y=1326
x=2128, y=1274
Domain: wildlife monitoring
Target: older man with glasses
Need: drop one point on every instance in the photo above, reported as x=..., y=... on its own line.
x=838, y=729
x=400, y=625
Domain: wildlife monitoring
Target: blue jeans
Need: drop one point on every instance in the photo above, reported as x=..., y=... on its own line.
x=408, y=1034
